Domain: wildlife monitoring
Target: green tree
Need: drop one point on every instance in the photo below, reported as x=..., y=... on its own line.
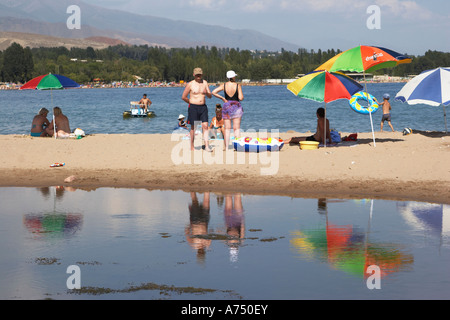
x=28, y=64
x=13, y=63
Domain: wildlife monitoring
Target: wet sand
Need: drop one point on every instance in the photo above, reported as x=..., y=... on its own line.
x=412, y=167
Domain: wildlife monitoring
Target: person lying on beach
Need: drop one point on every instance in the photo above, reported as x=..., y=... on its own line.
x=217, y=122
x=386, y=112
x=318, y=136
x=40, y=122
x=62, y=124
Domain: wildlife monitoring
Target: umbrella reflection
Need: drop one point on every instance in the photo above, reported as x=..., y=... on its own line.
x=429, y=218
x=348, y=248
x=53, y=224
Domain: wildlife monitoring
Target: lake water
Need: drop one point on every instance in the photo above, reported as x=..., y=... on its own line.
x=265, y=108
x=143, y=244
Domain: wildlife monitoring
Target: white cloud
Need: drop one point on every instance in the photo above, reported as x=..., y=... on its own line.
x=207, y=4
x=406, y=9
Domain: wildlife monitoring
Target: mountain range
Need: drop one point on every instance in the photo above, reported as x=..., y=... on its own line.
x=49, y=17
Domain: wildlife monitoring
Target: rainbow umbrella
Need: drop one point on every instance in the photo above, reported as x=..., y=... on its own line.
x=324, y=86
x=50, y=82
x=365, y=59
x=346, y=249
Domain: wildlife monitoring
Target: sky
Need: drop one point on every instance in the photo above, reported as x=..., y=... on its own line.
x=406, y=26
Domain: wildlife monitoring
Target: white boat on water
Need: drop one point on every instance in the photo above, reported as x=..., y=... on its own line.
x=137, y=111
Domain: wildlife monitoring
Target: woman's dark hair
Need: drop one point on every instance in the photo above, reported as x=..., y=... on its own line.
x=321, y=112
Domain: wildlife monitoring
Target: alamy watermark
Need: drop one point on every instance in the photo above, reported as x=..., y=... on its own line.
x=374, y=280
x=374, y=20
x=268, y=162
x=74, y=20
x=74, y=280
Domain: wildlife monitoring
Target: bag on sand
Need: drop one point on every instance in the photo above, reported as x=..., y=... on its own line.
x=335, y=136
x=351, y=137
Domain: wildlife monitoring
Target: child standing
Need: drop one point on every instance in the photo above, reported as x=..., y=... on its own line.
x=386, y=112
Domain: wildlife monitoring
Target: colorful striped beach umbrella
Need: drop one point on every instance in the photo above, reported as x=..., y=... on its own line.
x=50, y=82
x=431, y=87
x=324, y=86
x=365, y=59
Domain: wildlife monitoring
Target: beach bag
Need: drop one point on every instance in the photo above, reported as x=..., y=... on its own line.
x=351, y=137
x=335, y=136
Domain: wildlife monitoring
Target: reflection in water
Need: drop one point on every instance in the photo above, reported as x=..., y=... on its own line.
x=199, y=236
x=427, y=217
x=198, y=225
x=348, y=248
x=53, y=224
x=235, y=226
x=322, y=244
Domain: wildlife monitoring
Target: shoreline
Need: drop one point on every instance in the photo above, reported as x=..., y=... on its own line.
x=409, y=168
x=250, y=84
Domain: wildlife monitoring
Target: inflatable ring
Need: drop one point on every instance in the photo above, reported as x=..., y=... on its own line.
x=248, y=144
x=366, y=97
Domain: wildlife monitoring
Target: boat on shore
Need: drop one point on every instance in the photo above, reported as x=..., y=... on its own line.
x=137, y=111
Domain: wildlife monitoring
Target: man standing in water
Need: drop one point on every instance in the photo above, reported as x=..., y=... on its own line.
x=197, y=90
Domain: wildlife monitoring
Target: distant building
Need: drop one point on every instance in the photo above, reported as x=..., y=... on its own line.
x=360, y=76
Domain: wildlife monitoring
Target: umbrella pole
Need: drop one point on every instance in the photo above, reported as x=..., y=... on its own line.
x=445, y=118
x=325, y=127
x=54, y=120
x=370, y=113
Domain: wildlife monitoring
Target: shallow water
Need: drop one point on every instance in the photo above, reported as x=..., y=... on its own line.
x=142, y=244
x=265, y=108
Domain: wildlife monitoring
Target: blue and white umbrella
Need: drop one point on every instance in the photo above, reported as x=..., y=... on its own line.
x=431, y=87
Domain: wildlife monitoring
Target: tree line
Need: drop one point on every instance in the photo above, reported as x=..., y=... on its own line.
x=122, y=63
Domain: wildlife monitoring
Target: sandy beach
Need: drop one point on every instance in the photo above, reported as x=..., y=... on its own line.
x=412, y=167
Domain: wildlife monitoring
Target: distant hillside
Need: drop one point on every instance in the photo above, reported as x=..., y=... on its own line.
x=48, y=17
x=33, y=40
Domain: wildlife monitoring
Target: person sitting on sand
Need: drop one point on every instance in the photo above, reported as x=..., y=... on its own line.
x=217, y=122
x=40, y=122
x=62, y=124
x=318, y=136
x=386, y=112
x=181, y=122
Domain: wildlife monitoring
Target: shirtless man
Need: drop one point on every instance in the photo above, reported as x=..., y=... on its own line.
x=197, y=90
x=386, y=112
x=62, y=124
x=318, y=136
x=145, y=103
x=39, y=123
